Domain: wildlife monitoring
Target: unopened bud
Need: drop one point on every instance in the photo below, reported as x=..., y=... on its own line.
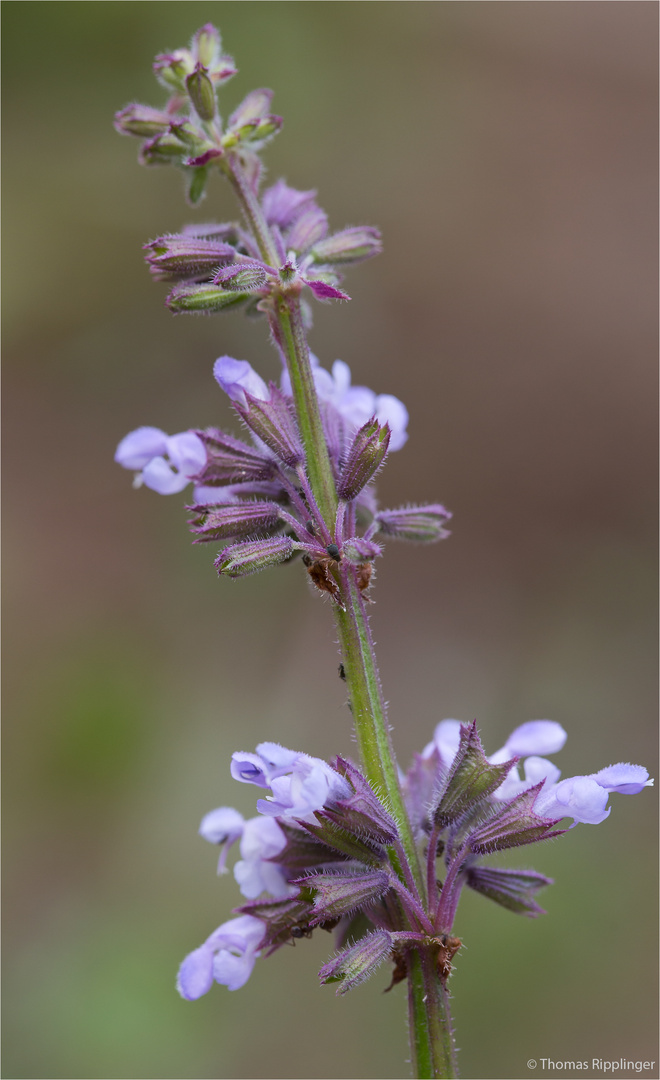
x=235, y=519
x=203, y=298
x=356, y=963
x=201, y=93
x=358, y=550
x=348, y=246
x=242, y=277
x=181, y=255
x=141, y=120
x=239, y=560
x=162, y=149
x=421, y=524
x=365, y=458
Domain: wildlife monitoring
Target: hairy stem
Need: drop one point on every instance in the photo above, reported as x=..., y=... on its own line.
x=433, y=1054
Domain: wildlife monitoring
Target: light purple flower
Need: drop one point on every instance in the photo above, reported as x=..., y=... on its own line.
x=300, y=784
x=356, y=404
x=228, y=956
x=308, y=786
x=167, y=463
x=262, y=840
x=446, y=738
x=236, y=377
x=223, y=826
x=584, y=798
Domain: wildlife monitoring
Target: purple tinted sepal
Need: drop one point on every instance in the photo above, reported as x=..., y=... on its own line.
x=201, y=93
x=230, y=460
x=349, y=246
x=420, y=524
x=512, y=889
x=364, y=458
x=141, y=120
x=272, y=421
x=358, y=962
x=303, y=851
x=203, y=299
x=251, y=557
x=278, y=917
x=183, y=256
x=343, y=841
x=234, y=519
x=469, y=781
x=362, y=812
x=513, y=825
x=340, y=894
x=324, y=291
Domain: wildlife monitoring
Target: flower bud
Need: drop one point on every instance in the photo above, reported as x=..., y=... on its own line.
x=200, y=298
x=201, y=93
x=235, y=519
x=161, y=150
x=273, y=423
x=242, y=277
x=348, y=246
x=358, y=962
x=358, y=550
x=420, y=524
x=184, y=256
x=365, y=458
x=239, y=560
x=141, y=120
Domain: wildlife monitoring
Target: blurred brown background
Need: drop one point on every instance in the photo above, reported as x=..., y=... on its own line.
x=508, y=153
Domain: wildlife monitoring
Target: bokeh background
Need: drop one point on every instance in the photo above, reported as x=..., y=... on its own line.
x=508, y=152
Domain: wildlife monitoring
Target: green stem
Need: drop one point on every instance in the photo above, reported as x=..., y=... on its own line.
x=433, y=1054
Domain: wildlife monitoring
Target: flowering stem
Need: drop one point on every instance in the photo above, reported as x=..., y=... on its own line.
x=431, y=1037
x=430, y=1024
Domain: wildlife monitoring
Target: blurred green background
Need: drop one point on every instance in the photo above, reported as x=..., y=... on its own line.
x=508, y=153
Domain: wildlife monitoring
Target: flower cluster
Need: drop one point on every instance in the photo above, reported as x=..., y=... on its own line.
x=220, y=266
x=325, y=852
x=258, y=496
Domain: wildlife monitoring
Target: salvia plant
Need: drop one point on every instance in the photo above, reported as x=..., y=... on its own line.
x=375, y=855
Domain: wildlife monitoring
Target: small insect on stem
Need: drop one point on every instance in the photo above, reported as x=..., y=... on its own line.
x=342, y=672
